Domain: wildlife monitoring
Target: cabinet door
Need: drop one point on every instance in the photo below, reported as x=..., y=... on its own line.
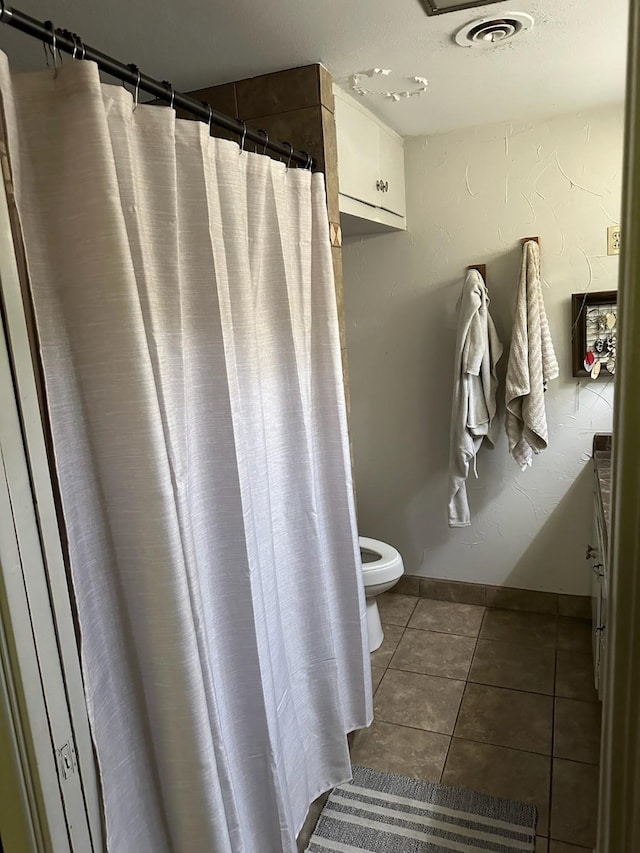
x=600, y=628
x=358, y=153
x=392, y=173
x=602, y=635
x=596, y=562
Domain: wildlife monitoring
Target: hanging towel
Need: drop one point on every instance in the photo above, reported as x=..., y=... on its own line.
x=478, y=350
x=532, y=363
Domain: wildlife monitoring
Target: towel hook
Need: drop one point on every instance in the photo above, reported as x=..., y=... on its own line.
x=481, y=268
x=528, y=239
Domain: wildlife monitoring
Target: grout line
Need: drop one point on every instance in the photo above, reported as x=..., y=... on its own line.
x=442, y=677
x=520, y=643
x=553, y=735
x=386, y=668
x=510, y=748
x=446, y=633
x=575, y=761
x=446, y=758
x=512, y=689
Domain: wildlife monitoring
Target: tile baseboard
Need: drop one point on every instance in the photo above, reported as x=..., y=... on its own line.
x=408, y=585
x=461, y=593
x=502, y=597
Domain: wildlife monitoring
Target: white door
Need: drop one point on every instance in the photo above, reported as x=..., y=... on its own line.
x=42, y=709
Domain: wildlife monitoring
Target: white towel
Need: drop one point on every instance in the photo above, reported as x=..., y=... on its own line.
x=532, y=363
x=474, y=395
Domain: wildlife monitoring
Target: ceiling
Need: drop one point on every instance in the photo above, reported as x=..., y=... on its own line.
x=573, y=59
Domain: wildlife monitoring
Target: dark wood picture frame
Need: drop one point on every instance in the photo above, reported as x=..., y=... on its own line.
x=580, y=303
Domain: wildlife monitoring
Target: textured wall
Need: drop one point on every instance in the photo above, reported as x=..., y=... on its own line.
x=471, y=196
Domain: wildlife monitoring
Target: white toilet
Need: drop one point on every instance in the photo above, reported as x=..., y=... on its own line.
x=382, y=568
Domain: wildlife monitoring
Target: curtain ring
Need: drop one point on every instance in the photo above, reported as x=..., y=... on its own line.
x=3, y=10
x=290, y=153
x=244, y=135
x=50, y=26
x=54, y=48
x=135, y=99
x=307, y=165
x=169, y=85
x=210, y=116
x=266, y=140
x=74, y=37
x=133, y=67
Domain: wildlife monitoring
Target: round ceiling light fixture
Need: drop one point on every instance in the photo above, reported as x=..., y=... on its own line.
x=490, y=32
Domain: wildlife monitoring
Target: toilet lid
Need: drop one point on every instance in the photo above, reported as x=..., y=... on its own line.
x=379, y=556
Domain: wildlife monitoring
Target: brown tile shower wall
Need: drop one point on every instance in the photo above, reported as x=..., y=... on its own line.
x=295, y=105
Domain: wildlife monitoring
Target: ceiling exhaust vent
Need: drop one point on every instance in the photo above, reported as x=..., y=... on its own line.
x=439, y=7
x=488, y=32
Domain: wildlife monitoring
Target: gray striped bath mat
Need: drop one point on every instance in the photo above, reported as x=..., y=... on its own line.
x=381, y=813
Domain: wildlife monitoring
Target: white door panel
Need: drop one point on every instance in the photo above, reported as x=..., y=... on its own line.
x=40, y=660
x=392, y=172
x=358, y=153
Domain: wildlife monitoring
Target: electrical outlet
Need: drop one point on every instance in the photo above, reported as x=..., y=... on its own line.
x=613, y=240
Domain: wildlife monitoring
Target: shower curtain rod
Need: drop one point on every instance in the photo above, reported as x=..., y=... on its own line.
x=69, y=42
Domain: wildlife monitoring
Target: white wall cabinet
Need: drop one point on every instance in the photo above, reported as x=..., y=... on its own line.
x=370, y=170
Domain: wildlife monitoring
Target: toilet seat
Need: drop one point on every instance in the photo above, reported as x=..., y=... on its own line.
x=388, y=567
x=378, y=576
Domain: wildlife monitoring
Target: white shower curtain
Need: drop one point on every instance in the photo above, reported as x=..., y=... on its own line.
x=188, y=332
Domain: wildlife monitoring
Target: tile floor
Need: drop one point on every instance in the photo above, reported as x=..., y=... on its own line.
x=500, y=701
